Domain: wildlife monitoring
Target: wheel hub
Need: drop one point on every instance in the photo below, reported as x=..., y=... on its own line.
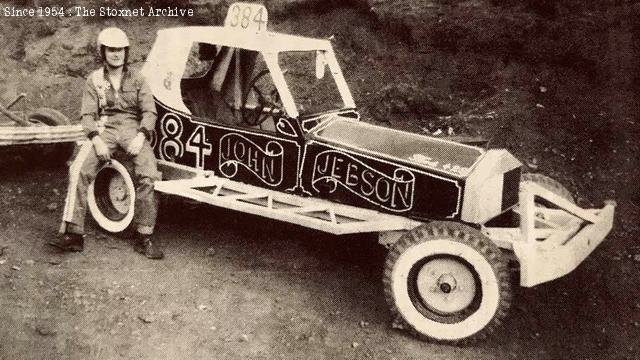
x=118, y=194
x=446, y=285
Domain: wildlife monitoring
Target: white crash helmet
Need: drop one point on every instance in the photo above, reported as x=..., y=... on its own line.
x=113, y=37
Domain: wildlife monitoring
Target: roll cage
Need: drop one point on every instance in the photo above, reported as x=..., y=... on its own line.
x=167, y=61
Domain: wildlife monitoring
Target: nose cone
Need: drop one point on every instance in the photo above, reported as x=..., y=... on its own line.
x=494, y=178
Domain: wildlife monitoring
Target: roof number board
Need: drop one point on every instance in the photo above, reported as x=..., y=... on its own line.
x=247, y=16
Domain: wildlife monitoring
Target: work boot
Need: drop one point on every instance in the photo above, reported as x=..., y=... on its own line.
x=145, y=246
x=68, y=242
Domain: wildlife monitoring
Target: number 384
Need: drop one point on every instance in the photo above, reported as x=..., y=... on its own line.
x=247, y=16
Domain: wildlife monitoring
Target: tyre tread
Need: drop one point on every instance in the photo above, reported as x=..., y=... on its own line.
x=466, y=235
x=43, y=114
x=550, y=184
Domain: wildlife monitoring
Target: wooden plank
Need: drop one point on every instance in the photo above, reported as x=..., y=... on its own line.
x=245, y=196
x=310, y=208
x=527, y=215
x=13, y=135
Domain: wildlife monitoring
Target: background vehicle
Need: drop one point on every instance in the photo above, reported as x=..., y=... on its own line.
x=242, y=125
x=28, y=133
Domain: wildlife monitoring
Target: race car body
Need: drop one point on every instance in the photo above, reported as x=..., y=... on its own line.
x=264, y=123
x=330, y=155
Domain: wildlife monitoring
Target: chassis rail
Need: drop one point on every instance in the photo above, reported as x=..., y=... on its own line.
x=314, y=213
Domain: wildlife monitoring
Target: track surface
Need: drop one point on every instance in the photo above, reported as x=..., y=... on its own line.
x=240, y=287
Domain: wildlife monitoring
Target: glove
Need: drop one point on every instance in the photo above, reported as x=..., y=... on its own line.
x=102, y=150
x=136, y=144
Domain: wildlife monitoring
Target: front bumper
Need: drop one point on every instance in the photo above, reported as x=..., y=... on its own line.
x=555, y=241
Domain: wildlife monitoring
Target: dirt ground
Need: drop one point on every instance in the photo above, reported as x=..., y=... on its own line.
x=269, y=291
x=266, y=291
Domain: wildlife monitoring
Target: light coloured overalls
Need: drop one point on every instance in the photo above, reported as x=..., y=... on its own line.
x=117, y=115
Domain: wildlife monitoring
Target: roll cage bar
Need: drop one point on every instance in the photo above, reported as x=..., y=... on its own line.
x=167, y=60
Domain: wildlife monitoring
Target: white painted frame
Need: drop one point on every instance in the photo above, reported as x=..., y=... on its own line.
x=297, y=207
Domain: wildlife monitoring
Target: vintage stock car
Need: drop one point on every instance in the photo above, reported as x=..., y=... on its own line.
x=264, y=123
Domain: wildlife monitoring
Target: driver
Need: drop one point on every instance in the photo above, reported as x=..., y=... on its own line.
x=118, y=113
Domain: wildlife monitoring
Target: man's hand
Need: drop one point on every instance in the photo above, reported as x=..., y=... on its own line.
x=102, y=150
x=136, y=144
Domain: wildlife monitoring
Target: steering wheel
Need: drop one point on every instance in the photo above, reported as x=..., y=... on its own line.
x=269, y=103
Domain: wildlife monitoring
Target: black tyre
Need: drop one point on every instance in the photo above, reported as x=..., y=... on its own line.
x=50, y=153
x=48, y=116
x=549, y=184
x=111, y=198
x=447, y=282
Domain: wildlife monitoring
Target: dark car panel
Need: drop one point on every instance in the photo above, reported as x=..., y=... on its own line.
x=353, y=178
x=251, y=156
x=372, y=169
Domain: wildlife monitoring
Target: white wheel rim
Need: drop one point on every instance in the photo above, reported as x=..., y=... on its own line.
x=445, y=285
x=124, y=205
x=470, y=325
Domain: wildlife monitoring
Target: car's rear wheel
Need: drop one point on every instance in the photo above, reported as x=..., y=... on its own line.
x=550, y=184
x=447, y=282
x=111, y=197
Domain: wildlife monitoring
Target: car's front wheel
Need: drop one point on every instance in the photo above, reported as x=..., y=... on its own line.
x=447, y=282
x=111, y=197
